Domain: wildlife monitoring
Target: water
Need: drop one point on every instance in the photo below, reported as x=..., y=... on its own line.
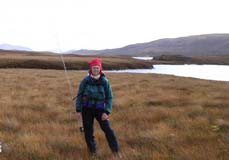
x=209, y=72
x=143, y=58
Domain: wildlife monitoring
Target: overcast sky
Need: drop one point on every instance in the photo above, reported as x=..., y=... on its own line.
x=100, y=24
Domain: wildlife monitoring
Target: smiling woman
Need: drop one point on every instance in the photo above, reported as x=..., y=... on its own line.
x=94, y=101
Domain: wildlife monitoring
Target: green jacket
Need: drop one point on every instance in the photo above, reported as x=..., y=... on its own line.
x=93, y=93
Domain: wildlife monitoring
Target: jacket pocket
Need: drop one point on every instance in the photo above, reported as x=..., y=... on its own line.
x=84, y=101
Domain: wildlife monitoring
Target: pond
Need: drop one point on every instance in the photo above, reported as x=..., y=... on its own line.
x=209, y=72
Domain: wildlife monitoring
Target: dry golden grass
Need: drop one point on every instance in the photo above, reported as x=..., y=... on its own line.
x=154, y=117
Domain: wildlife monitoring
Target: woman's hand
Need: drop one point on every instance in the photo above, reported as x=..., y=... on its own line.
x=79, y=115
x=105, y=116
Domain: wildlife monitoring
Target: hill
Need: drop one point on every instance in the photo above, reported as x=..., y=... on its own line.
x=209, y=44
x=14, y=47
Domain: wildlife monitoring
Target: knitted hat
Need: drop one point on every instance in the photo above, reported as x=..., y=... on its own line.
x=95, y=62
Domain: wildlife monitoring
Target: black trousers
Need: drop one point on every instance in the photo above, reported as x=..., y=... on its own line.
x=88, y=115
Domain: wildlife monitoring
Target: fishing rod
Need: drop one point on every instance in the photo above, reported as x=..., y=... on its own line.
x=73, y=98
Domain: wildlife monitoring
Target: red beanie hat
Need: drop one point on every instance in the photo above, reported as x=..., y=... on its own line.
x=96, y=62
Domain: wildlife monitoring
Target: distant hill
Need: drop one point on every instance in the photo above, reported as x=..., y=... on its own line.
x=198, y=45
x=208, y=44
x=14, y=47
x=84, y=52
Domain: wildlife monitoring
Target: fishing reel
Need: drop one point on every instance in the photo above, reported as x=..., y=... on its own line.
x=81, y=129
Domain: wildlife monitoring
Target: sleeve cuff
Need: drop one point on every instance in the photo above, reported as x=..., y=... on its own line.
x=107, y=112
x=77, y=110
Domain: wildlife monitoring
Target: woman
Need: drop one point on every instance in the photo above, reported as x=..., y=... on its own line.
x=94, y=100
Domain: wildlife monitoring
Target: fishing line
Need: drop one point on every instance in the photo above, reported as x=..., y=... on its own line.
x=73, y=98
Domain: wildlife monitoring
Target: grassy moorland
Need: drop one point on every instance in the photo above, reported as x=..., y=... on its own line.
x=45, y=60
x=154, y=116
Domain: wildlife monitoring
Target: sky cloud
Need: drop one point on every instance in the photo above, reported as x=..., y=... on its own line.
x=100, y=24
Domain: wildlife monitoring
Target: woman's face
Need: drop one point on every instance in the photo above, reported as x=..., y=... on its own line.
x=95, y=70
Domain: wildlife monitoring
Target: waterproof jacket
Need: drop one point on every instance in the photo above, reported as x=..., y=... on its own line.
x=96, y=94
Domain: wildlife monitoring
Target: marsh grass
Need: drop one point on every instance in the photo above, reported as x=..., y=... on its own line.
x=154, y=117
x=45, y=60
